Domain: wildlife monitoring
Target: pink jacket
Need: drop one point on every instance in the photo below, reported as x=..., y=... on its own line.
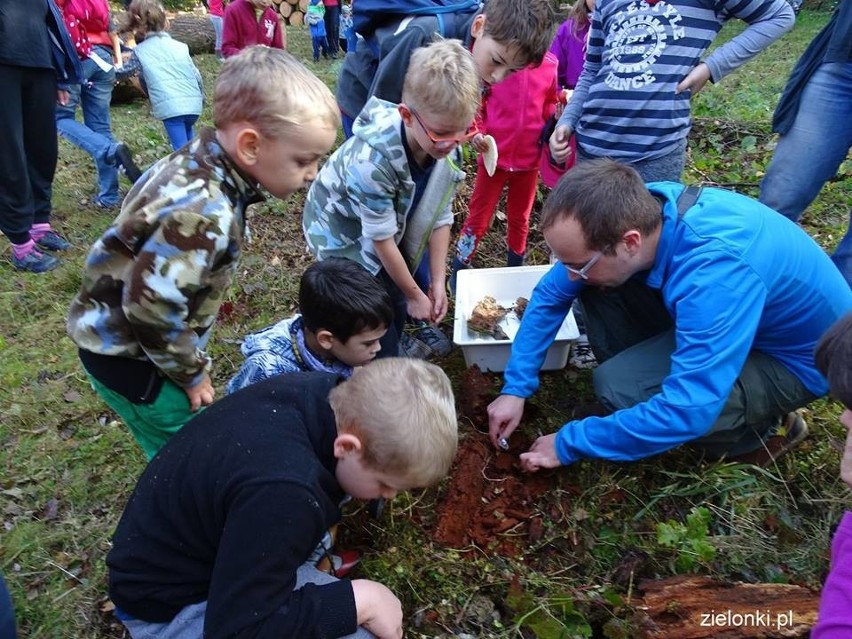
x=242, y=29
x=515, y=110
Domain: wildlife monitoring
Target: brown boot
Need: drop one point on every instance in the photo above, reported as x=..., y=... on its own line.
x=792, y=432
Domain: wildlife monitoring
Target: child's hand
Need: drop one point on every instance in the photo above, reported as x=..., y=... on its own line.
x=695, y=79
x=438, y=296
x=504, y=415
x=200, y=394
x=559, y=147
x=479, y=143
x=542, y=454
x=419, y=306
x=378, y=609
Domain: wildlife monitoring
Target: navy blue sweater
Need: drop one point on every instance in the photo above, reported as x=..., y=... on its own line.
x=229, y=509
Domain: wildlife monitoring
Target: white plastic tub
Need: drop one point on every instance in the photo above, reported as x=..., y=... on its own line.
x=505, y=285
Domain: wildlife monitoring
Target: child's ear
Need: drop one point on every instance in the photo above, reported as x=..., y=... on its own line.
x=346, y=444
x=405, y=114
x=247, y=145
x=477, y=28
x=325, y=339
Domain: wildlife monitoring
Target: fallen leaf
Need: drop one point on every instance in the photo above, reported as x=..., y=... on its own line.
x=50, y=510
x=71, y=396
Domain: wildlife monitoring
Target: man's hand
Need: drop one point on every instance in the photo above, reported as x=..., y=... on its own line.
x=62, y=97
x=201, y=394
x=559, y=147
x=504, y=415
x=695, y=79
x=378, y=609
x=542, y=454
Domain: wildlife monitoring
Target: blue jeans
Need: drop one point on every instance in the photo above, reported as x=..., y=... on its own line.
x=810, y=153
x=217, y=29
x=7, y=613
x=667, y=168
x=179, y=129
x=93, y=135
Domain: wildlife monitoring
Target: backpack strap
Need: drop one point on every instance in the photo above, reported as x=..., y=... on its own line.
x=687, y=199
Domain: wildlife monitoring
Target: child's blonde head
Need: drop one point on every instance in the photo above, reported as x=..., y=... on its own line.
x=145, y=16
x=272, y=90
x=523, y=25
x=404, y=413
x=442, y=79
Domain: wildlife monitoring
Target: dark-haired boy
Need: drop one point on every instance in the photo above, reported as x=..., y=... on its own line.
x=343, y=313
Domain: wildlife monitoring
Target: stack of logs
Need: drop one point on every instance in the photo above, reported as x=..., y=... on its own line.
x=291, y=11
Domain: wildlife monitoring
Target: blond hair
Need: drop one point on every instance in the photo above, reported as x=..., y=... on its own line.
x=404, y=413
x=145, y=16
x=442, y=79
x=272, y=90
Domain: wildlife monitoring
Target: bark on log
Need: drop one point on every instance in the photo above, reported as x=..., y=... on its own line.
x=194, y=31
x=692, y=607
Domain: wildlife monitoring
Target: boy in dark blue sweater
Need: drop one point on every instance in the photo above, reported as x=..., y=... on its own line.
x=215, y=538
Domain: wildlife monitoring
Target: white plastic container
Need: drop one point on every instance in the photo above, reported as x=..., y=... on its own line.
x=505, y=285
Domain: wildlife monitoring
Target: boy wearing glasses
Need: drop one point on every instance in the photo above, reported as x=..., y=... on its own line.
x=386, y=194
x=703, y=312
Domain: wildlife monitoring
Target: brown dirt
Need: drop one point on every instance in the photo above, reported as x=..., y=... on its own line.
x=490, y=502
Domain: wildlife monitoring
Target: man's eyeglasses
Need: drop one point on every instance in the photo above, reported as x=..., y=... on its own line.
x=583, y=271
x=460, y=139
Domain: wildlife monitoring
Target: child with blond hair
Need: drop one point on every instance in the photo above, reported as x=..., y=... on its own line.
x=168, y=75
x=154, y=281
x=216, y=538
x=386, y=194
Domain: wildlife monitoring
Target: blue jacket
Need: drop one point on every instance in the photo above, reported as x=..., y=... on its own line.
x=735, y=276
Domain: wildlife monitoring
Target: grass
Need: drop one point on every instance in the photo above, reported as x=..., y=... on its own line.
x=68, y=465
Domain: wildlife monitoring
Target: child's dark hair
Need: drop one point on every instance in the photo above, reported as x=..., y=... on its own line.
x=342, y=297
x=145, y=16
x=834, y=359
x=525, y=24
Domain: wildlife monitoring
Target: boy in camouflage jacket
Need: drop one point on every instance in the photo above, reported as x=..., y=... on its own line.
x=154, y=281
x=387, y=192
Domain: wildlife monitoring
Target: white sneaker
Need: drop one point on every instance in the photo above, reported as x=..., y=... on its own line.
x=581, y=354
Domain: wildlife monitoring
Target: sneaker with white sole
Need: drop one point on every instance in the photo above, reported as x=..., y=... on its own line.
x=581, y=354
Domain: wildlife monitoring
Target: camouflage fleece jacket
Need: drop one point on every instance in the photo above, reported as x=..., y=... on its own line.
x=153, y=282
x=365, y=190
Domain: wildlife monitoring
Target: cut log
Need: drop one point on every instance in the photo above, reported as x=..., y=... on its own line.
x=693, y=607
x=303, y=6
x=285, y=9
x=296, y=18
x=194, y=31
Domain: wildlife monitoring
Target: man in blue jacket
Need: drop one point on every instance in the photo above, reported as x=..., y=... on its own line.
x=703, y=314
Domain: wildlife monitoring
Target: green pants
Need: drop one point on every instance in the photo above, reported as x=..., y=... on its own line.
x=151, y=424
x=633, y=337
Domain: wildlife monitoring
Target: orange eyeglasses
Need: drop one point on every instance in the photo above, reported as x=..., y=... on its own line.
x=460, y=139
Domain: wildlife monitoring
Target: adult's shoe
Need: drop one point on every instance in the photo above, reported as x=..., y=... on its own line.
x=792, y=432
